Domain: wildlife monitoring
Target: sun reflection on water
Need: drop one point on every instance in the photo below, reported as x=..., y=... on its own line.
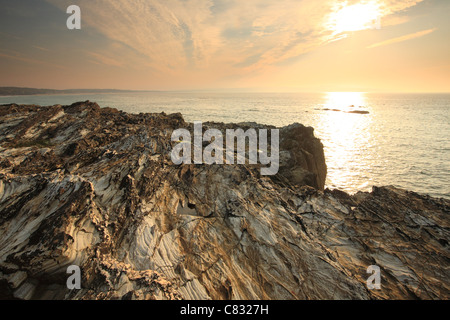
x=349, y=137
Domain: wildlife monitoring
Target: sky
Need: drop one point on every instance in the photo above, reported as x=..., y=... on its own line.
x=255, y=45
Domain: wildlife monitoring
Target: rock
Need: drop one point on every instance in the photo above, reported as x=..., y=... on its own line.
x=350, y=111
x=358, y=112
x=25, y=291
x=140, y=227
x=305, y=164
x=16, y=279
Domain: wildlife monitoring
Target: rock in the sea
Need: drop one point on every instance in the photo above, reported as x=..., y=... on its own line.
x=358, y=112
x=92, y=187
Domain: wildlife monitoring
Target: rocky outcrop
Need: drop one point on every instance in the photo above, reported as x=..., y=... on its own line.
x=347, y=111
x=92, y=187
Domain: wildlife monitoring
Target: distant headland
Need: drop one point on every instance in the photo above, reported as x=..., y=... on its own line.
x=18, y=91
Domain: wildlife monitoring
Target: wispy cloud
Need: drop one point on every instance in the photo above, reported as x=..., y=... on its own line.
x=402, y=38
x=102, y=59
x=31, y=60
x=41, y=48
x=224, y=37
x=10, y=36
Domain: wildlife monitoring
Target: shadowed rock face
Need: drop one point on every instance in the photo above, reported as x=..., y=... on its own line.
x=92, y=187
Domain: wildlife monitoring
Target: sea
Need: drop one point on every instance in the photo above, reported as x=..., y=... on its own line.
x=369, y=139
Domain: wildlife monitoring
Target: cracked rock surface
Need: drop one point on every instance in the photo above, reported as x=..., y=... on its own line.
x=96, y=188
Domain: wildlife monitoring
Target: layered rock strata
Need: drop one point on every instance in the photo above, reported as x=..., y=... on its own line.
x=96, y=188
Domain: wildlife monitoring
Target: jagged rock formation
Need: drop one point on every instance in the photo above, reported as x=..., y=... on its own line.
x=92, y=187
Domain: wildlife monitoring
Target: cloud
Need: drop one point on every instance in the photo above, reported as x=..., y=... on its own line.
x=41, y=48
x=10, y=36
x=402, y=38
x=31, y=60
x=99, y=58
x=222, y=37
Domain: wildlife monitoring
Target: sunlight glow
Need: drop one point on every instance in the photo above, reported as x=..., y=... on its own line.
x=345, y=101
x=360, y=16
x=350, y=135
x=345, y=126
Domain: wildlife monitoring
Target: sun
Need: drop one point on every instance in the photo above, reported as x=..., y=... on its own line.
x=360, y=16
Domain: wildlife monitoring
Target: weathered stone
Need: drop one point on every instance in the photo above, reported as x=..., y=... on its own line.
x=96, y=188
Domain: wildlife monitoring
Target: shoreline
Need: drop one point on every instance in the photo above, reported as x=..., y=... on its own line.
x=348, y=189
x=95, y=188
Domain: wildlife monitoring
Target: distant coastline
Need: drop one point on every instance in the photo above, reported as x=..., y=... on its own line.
x=24, y=91
x=18, y=91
